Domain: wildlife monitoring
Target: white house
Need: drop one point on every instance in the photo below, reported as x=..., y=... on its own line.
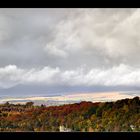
x=64, y=129
x=132, y=127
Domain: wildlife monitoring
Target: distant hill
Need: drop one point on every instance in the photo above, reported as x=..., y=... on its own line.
x=122, y=115
x=22, y=90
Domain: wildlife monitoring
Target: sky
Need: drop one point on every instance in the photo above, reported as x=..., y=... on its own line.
x=46, y=51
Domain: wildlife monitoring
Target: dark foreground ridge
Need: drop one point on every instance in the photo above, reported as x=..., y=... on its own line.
x=122, y=115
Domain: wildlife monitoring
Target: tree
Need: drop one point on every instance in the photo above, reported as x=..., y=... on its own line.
x=7, y=104
x=29, y=104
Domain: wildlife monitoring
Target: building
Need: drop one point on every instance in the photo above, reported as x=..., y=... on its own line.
x=64, y=129
x=132, y=127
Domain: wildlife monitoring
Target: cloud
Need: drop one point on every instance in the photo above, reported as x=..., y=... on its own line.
x=108, y=37
x=122, y=75
x=68, y=38
x=75, y=47
x=125, y=36
x=10, y=76
x=53, y=50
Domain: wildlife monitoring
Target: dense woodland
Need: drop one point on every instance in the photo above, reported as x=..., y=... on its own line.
x=122, y=115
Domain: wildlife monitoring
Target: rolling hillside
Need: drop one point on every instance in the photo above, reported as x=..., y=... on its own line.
x=122, y=115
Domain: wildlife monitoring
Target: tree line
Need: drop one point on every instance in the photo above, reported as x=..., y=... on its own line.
x=122, y=115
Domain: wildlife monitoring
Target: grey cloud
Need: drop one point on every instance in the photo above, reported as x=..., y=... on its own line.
x=59, y=37
x=54, y=46
x=122, y=75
